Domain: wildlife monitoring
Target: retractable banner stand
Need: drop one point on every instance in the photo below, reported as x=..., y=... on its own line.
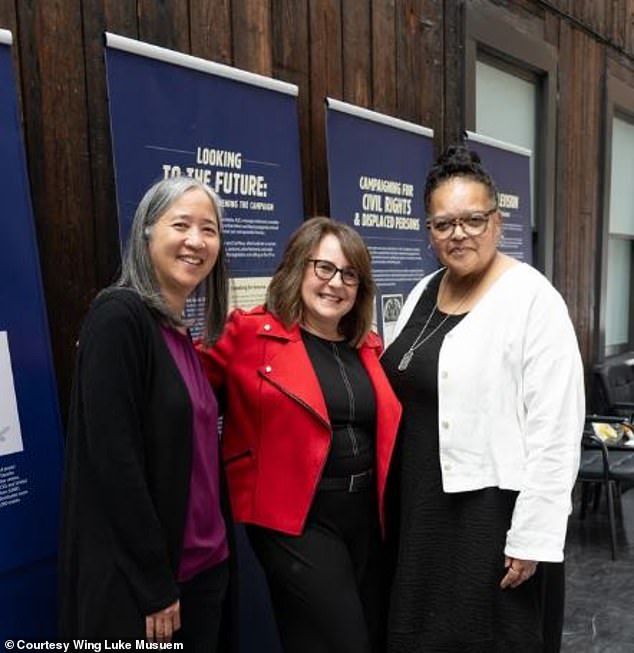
x=510, y=167
x=173, y=114
x=376, y=169
x=30, y=427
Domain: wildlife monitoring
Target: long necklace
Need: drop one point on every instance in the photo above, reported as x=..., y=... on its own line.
x=422, y=338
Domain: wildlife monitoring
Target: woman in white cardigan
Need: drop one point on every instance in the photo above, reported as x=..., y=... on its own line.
x=487, y=367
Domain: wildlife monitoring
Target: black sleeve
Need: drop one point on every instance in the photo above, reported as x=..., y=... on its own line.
x=113, y=369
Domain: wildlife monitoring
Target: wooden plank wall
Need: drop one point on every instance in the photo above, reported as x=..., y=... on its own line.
x=579, y=166
x=401, y=57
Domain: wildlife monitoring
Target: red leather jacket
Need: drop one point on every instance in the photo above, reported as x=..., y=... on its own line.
x=276, y=432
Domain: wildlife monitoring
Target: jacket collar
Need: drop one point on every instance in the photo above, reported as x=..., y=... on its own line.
x=271, y=327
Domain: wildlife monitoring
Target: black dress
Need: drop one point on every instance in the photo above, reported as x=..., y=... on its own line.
x=449, y=547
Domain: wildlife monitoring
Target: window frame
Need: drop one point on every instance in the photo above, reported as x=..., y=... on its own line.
x=619, y=103
x=498, y=42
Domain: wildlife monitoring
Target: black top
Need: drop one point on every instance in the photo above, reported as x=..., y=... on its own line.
x=417, y=390
x=350, y=402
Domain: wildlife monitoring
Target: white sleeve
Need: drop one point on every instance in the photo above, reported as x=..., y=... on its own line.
x=554, y=413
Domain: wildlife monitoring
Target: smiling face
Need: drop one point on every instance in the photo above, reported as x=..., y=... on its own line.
x=326, y=302
x=183, y=245
x=462, y=254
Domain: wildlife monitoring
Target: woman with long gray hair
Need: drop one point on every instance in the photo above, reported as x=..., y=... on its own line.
x=144, y=534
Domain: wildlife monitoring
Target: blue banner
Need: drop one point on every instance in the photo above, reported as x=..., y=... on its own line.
x=30, y=427
x=510, y=167
x=376, y=169
x=173, y=114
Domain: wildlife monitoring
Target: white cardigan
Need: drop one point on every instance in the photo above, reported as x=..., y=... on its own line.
x=511, y=405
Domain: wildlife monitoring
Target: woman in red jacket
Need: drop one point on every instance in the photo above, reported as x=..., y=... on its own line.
x=309, y=428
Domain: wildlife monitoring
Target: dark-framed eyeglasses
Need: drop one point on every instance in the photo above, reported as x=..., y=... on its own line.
x=325, y=270
x=473, y=224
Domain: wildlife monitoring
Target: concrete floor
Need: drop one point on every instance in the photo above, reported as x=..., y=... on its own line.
x=600, y=592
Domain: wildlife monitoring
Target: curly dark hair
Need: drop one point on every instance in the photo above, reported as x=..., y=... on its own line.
x=458, y=161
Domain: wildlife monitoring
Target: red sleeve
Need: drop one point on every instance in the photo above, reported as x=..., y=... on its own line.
x=218, y=357
x=373, y=340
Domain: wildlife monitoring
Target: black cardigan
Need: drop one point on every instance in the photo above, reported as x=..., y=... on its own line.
x=128, y=463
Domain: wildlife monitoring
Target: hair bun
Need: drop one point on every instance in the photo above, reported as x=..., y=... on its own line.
x=458, y=156
x=457, y=161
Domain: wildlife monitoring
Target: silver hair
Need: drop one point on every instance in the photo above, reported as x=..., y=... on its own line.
x=137, y=271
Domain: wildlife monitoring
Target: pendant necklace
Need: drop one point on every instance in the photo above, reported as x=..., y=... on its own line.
x=422, y=338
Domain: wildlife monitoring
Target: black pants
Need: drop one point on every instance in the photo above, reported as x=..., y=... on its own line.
x=553, y=600
x=324, y=583
x=201, y=606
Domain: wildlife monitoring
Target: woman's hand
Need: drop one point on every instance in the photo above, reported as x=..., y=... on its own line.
x=161, y=625
x=517, y=571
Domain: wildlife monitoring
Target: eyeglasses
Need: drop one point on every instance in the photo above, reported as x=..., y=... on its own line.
x=325, y=270
x=473, y=224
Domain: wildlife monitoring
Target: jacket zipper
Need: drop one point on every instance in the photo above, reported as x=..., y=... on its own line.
x=238, y=456
x=323, y=421
x=299, y=401
x=351, y=405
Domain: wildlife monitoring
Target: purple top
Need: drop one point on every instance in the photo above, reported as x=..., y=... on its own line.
x=205, y=537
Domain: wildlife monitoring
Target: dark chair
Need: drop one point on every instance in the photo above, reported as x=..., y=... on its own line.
x=613, y=386
x=603, y=467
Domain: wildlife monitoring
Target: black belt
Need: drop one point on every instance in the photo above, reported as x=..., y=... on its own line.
x=352, y=483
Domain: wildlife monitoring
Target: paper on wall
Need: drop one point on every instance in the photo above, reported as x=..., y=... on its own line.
x=10, y=434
